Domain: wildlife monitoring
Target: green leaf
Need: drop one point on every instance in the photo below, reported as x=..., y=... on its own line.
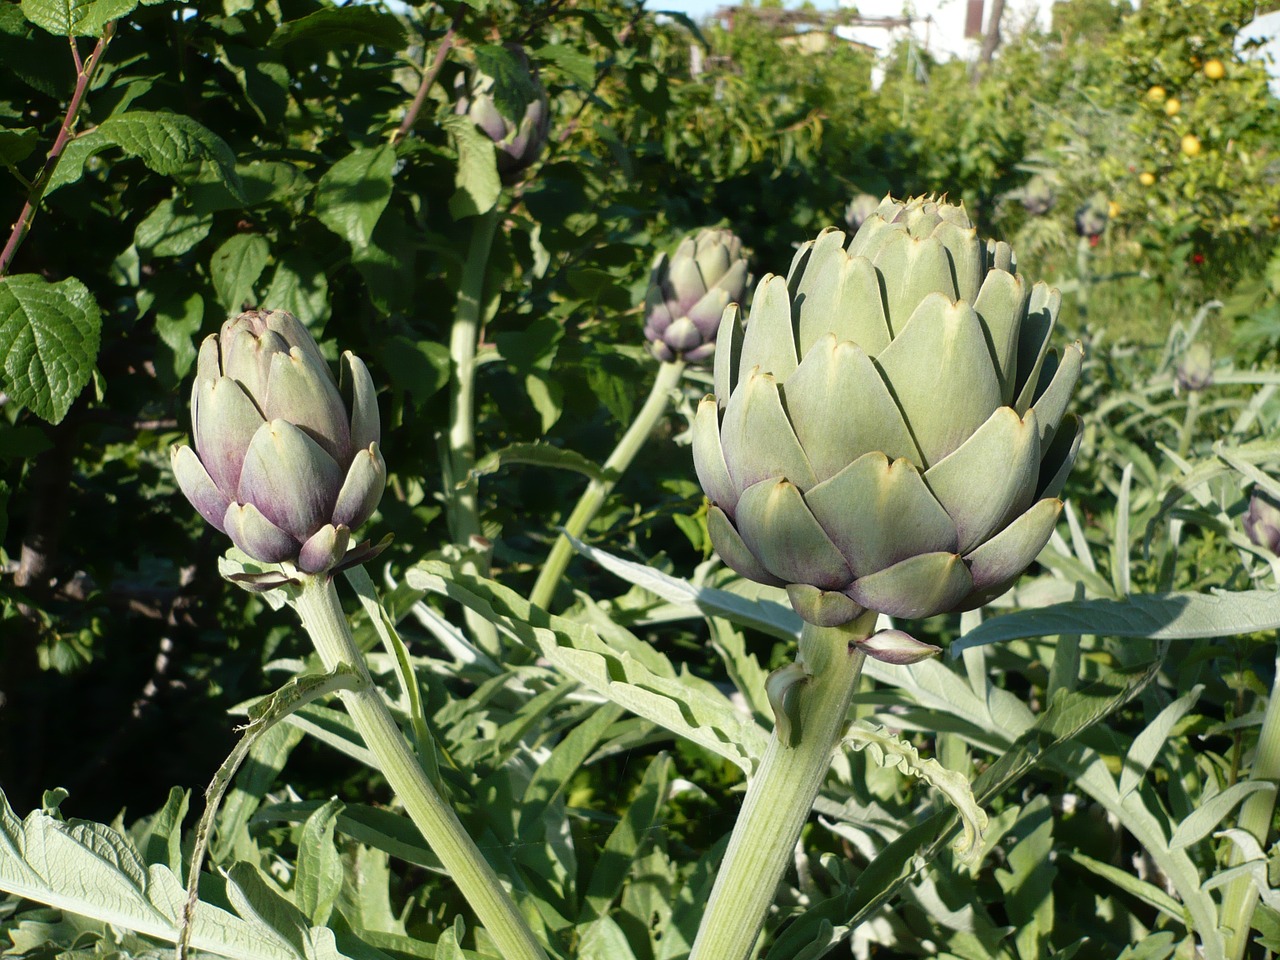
x=76, y=18
x=388, y=265
x=1156, y=616
x=236, y=267
x=300, y=286
x=604, y=938
x=578, y=66
x=547, y=397
x=335, y=26
x=170, y=231
x=1147, y=744
x=890, y=750
x=92, y=870
x=629, y=838
x=538, y=455
x=418, y=368
x=352, y=194
x=1148, y=893
x=79, y=150
x=49, y=336
x=171, y=144
x=319, y=877
x=512, y=90
x=477, y=180
x=17, y=143
x=1212, y=811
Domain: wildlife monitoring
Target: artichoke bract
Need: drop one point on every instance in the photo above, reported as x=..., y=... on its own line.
x=888, y=431
x=688, y=293
x=518, y=144
x=282, y=463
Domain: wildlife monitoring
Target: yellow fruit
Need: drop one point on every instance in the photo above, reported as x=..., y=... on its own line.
x=1146, y=178
x=1214, y=70
x=1156, y=93
x=1191, y=145
x=1113, y=209
x=1172, y=106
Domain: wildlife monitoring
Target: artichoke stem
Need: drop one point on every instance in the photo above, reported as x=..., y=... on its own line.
x=1189, y=423
x=1084, y=274
x=322, y=617
x=1241, y=895
x=462, y=490
x=593, y=498
x=781, y=794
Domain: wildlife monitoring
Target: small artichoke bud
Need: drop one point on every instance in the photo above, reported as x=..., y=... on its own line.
x=1037, y=196
x=859, y=208
x=1262, y=521
x=1195, y=370
x=688, y=293
x=1092, y=217
x=889, y=430
x=518, y=144
x=282, y=463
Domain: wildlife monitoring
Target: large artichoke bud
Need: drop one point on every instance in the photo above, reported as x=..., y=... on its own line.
x=689, y=291
x=518, y=144
x=887, y=432
x=282, y=464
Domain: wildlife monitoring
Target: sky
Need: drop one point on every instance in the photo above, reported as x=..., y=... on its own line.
x=697, y=9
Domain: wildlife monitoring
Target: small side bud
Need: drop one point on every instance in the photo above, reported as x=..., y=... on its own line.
x=897, y=647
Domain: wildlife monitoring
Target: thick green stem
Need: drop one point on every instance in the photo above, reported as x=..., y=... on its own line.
x=1255, y=818
x=462, y=496
x=326, y=624
x=597, y=491
x=781, y=794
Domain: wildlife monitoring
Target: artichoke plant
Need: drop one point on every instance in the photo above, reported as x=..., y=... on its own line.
x=282, y=464
x=688, y=293
x=518, y=144
x=888, y=431
x=1262, y=521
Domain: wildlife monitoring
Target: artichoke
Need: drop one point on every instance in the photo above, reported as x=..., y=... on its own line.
x=282, y=464
x=1262, y=521
x=1092, y=217
x=518, y=144
x=888, y=431
x=688, y=293
x=1037, y=196
x=1194, y=370
x=859, y=208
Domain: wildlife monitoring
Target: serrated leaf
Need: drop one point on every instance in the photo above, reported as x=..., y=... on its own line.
x=49, y=337
x=538, y=455
x=352, y=194
x=168, y=231
x=1212, y=811
x=578, y=66
x=512, y=90
x=236, y=267
x=299, y=286
x=76, y=18
x=680, y=703
x=92, y=870
x=319, y=878
x=1147, y=744
x=890, y=750
x=79, y=150
x=171, y=143
x=1157, y=616
x=477, y=180
x=333, y=26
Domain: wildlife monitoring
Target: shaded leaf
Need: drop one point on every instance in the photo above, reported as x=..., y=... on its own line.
x=352, y=194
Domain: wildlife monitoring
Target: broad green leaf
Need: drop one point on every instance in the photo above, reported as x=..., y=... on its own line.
x=17, y=143
x=1157, y=616
x=1147, y=744
x=76, y=18
x=512, y=88
x=334, y=26
x=1148, y=893
x=49, y=336
x=629, y=838
x=1028, y=880
x=578, y=66
x=1212, y=811
x=71, y=164
x=178, y=320
x=236, y=267
x=388, y=263
x=91, y=870
x=170, y=231
x=171, y=144
x=352, y=194
x=449, y=947
x=300, y=286
x=889, y=750
x=537, y=455
x=551, y=779
x=477, y=180
x=419, y=368
x=603, y=939
x=547, y=396
x=319, y=878
x=162, y=842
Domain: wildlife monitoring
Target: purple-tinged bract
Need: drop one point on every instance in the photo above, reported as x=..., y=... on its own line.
x=688, y=293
